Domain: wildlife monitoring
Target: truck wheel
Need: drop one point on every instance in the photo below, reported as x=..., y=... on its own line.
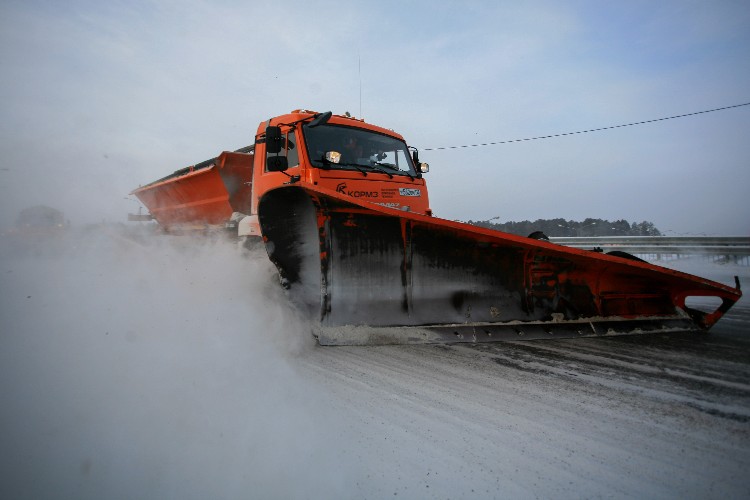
x=251, y=243
x=624, y=255
x=538, y=235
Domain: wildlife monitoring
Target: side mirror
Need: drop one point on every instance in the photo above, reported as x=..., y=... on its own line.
x=415, y=157
x=273, y=140
x=276, y=163
x=320, y=119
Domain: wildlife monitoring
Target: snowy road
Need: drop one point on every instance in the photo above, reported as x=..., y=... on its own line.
x=162, y=370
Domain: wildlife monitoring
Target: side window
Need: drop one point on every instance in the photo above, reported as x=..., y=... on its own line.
x=291, y=149
x=396, y=159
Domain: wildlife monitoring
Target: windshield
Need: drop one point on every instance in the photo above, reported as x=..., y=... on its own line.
x=359, y=149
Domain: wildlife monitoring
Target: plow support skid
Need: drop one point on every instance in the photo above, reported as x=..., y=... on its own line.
x=373, y=275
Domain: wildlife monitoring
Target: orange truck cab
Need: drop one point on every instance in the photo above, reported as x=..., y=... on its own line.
x=339, y=153
x=303, y=148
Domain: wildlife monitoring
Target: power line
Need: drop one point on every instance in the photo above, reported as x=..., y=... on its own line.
x=589, y=130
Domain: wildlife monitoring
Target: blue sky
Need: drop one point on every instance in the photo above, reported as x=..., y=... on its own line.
x=99, y=97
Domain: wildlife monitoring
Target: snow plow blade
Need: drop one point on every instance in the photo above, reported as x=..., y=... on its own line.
x=475, y=333
x=375, y=275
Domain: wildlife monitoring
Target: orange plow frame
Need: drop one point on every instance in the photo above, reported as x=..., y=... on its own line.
x=371, y=274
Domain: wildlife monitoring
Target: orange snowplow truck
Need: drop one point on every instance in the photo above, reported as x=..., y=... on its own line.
x=341, y=207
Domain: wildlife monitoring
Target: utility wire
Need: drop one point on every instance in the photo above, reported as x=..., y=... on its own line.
x=586, y=131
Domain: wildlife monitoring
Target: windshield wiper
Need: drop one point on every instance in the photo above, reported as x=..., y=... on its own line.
x=327, y=163
x=355, y=165
x=394, y=168
x=376, y=167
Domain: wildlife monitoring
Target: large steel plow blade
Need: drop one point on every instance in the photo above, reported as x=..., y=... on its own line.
x=371, y=275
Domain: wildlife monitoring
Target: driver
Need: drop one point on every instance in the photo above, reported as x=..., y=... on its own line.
x=352, y=151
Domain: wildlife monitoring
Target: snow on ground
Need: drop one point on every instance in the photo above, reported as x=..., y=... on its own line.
x=166, y=368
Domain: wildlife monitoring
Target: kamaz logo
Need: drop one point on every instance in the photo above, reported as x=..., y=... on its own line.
x=409, y=192
x=341, y=188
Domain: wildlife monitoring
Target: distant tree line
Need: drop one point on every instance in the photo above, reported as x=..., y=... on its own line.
x=562, y=227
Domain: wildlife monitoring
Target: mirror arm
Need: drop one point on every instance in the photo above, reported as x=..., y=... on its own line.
x=292, y=178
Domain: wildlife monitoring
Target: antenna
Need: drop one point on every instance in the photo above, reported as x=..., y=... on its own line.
x=359, y=70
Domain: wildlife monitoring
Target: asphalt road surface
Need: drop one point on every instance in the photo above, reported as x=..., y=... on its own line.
x=162, y=370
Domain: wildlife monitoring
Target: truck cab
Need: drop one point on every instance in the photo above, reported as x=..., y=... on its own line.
x=339, y=153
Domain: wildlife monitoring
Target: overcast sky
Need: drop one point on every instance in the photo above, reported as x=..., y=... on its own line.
x=100, y=97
